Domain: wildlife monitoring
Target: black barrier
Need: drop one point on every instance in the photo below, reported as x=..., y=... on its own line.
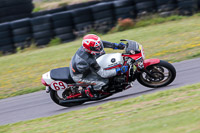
x=72, y=21
x=63, y=26
x=15, y=9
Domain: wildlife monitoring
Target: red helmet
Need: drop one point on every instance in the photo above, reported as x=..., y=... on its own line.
x=92, y=44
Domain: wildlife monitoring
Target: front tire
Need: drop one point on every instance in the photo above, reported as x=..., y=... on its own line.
x=56, y=98
x=164, y=72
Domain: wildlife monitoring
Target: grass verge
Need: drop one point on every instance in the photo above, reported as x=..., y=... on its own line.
x=172, y=41
x=51, y=4
x=171, y=111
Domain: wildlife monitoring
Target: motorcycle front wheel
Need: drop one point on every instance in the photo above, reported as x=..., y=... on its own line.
x=164, y=73
x=58, y=96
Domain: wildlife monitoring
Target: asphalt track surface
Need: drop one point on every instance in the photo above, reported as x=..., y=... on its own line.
x=39, y=104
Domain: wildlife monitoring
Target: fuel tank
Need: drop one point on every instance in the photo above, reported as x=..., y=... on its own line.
x=109, y=61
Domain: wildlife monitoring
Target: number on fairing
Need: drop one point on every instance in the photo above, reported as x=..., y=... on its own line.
x=58, y=85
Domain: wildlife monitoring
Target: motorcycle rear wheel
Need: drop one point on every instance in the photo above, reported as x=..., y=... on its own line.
x=164, y=72
x=56, y=98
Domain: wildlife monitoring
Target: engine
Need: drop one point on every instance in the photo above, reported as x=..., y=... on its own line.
x=110, y=61
x=119, y=79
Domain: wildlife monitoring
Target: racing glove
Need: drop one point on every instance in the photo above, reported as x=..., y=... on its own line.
x=123, y=69
x=120, y=45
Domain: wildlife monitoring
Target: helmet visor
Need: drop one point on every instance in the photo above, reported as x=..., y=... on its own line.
x=98, y=47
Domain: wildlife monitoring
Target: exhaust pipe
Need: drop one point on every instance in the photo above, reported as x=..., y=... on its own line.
x=74, y=100
x=82, y=99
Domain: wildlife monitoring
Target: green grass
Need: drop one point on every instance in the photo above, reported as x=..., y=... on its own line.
x=171, y=111
x=52, y=4
x=156, y=20
x=172, y=41
x=124, y=24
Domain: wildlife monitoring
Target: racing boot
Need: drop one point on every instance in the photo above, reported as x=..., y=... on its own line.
x=91, y=93
x=83, y=93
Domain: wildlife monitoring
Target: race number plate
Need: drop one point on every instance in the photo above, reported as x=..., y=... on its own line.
x=58, y=85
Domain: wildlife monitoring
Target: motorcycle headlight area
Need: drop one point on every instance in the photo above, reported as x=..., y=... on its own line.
x=139, y=61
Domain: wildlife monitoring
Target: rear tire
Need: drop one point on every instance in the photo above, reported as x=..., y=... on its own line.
x=159, y=70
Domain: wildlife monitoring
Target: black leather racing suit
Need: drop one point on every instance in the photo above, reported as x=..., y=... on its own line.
x=84, y=68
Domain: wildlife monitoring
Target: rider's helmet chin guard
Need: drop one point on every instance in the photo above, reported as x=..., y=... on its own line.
x=92, y=44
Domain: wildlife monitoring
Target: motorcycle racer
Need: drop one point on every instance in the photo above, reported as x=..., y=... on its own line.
x=84, y=68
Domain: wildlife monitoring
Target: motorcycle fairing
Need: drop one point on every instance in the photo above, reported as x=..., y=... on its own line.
x=46, y=79
x=133, y=56
x=113, y=67
x=149, y=62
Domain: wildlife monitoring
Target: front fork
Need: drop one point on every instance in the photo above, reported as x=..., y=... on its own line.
x=143, y=65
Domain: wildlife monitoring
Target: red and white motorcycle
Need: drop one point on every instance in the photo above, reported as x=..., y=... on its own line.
x=151, y=73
